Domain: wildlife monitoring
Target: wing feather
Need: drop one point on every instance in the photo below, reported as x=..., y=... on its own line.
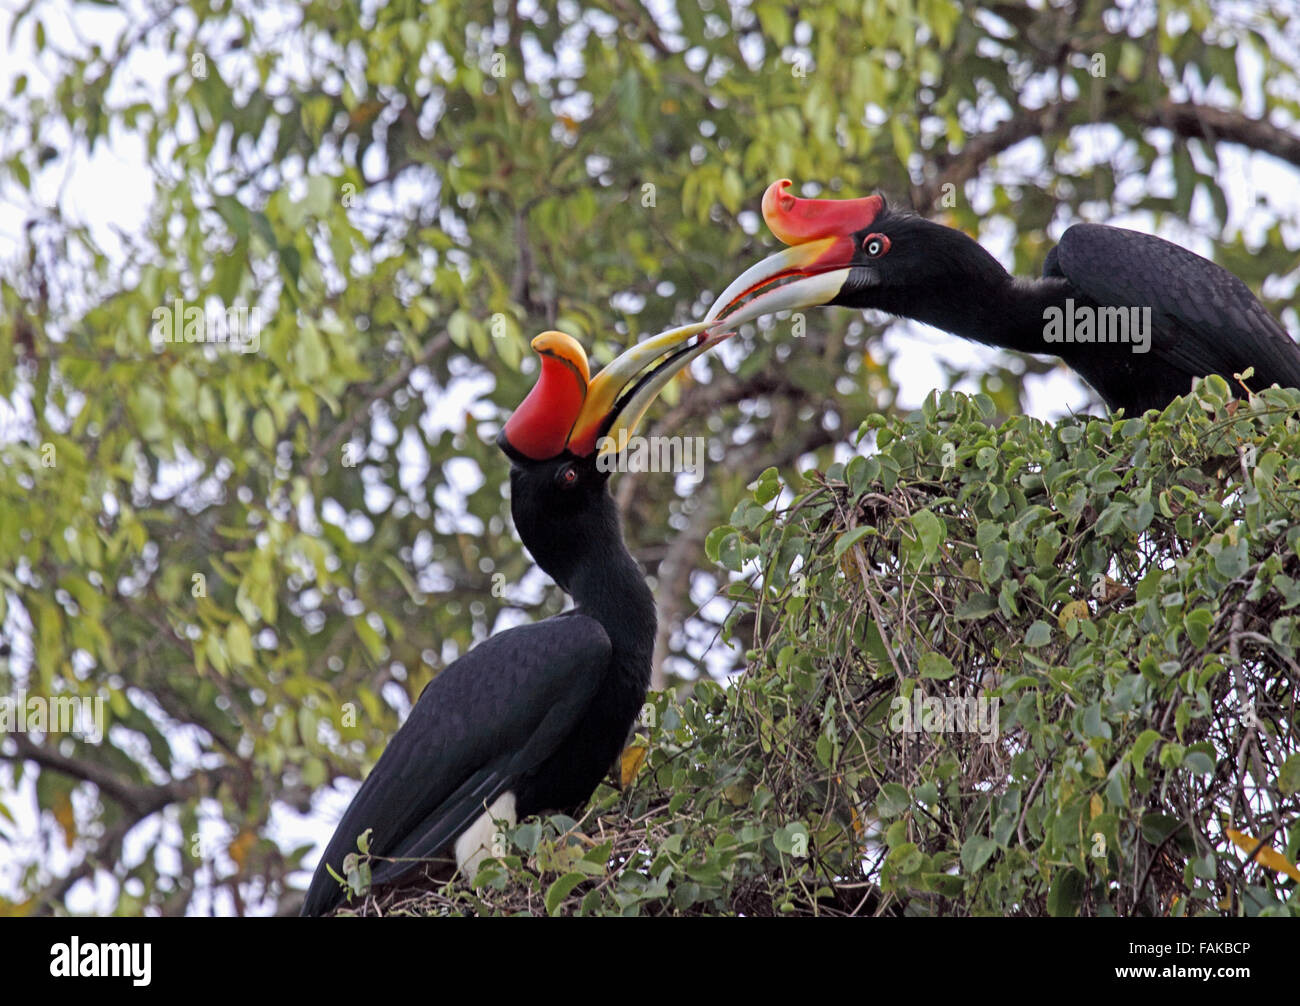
x=1204, y=319
x=490, y=716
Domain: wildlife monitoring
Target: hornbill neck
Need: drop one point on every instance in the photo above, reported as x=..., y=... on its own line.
x=592, y=563
x=1010, y=314
x=615, y=593
x=969, y=293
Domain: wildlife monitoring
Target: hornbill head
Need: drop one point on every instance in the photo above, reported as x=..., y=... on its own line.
x=854, y=253
x=561, y=438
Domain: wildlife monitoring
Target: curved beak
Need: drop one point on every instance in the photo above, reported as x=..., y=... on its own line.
x=820, y=233
x=618, y=397
x=818, y=270
x=567, y=410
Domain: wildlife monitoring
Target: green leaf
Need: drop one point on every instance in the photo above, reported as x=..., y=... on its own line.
x=239, y=643
x=264, y=429
x=768, y=487
x=976, y=851
x=1288, y=780
x=1140, y=748
x=1038, y=634
x=977, y=606
x=894, y=800
x=931, y=532
x=731, y=552
x=713, y=543
x=1066, y=893
x=560, y=889
x=850, y=538
x=935, y=666
x=310, y=354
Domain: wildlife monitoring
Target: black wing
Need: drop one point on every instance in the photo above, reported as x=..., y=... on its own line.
x=495, y=713
x=1204, y=319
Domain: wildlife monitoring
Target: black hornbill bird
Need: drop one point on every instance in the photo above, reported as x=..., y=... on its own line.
x=1098, y=281
x=534, y=717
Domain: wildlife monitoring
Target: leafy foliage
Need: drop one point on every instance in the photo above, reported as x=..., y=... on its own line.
x=1123, y=594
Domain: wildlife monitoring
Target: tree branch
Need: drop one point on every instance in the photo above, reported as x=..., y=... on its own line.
x=1185, y=120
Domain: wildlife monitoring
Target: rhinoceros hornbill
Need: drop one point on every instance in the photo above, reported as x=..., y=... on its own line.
x=1136, y=316
x=532, y=718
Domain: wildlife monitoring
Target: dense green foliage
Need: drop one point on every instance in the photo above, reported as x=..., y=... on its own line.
x=1126, y=591
x=257, y=559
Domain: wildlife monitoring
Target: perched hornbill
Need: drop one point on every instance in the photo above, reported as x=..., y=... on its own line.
x=532, y=718
x=1202, y=320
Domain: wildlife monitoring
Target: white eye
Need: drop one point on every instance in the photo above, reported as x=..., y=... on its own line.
x=875, y=245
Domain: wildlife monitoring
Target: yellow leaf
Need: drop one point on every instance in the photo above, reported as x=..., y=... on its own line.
x=1072, y=611
x=241, y=847
x=365, y=113
x=630, y=764
x=67, y=818
x=16, y=909
x=1268, y=857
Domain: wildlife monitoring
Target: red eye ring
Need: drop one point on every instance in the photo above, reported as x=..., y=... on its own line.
x=881, y=243
x=567, y=477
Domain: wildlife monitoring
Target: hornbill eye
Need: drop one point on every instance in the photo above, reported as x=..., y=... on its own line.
x=567, y=477
x=875, y=245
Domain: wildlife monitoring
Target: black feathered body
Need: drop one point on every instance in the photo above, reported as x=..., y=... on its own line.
x=541, y=711
x=1203, y=319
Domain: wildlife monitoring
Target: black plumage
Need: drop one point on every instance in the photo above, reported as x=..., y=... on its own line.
x=1169, y=315
x=1203, y=319
x=540, y=710
x=533, y=718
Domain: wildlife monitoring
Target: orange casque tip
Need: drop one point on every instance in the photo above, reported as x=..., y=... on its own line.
x=565, y=348
x=539, y=428
x=795, y=220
